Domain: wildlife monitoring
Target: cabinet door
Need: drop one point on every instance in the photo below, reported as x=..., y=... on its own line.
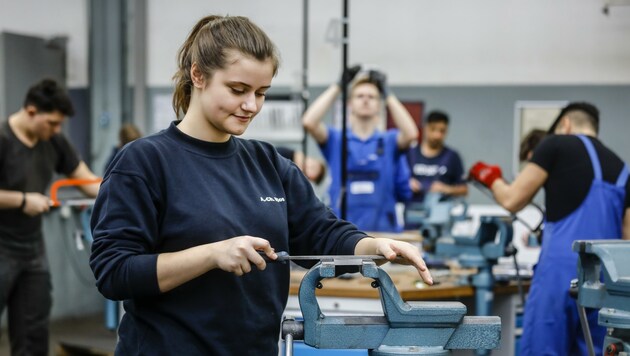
x=26, y=60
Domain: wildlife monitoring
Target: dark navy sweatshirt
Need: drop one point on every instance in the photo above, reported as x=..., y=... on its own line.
x=168, y=192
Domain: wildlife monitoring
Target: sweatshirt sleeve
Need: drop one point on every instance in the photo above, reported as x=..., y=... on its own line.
x=124, y=226
x=313, y=228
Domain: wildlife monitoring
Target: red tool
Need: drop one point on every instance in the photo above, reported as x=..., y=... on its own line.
x=67, y=183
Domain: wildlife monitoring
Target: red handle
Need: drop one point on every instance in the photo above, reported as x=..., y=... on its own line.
x=68, y=182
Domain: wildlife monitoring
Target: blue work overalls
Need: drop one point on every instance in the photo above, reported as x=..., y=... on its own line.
x=551, y=322
x=372, y=166
x=370, y=181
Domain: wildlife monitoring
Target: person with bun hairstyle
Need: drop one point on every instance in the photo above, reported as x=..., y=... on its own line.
x=185, y=217
x=32, y=149
x=587, y=197
x=127, y=133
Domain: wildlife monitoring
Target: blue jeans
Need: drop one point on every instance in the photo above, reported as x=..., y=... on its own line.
x=25, y=289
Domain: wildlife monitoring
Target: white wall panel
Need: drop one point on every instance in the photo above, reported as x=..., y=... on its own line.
x=422, y=42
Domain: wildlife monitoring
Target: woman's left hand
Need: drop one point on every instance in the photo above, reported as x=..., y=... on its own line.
x=398, y=251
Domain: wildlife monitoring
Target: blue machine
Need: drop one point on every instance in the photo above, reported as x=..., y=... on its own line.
x=482, y=251
x=406, y=328
x=607, y=259
x=434, y=217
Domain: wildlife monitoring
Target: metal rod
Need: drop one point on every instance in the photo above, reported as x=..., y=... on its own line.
x=344, y=113
x=304, y=94
x=288, y=344
x=284, y=256
x=139, y=116
x=519, y=281
x=587, y=331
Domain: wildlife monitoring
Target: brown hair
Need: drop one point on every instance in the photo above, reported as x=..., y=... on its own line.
x=362, y=81
x=530, y=142
x=128, y=133
x=207, y=45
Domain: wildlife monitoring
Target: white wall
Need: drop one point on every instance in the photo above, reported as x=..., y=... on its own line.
x=422, y=42
x=418, y=42
x=46, y=19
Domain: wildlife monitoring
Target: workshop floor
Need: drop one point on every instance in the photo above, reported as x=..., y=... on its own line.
x=86, y=336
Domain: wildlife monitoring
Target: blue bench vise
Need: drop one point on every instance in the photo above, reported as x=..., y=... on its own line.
x=406, y=328
x=482, y=251
x=607, y=259
x=434, y=217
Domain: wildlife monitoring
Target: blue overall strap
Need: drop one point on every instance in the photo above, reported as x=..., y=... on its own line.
x=597, y=169
x=623, y=177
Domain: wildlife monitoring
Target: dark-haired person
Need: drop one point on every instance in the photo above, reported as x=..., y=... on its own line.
x=183, y=215
x=374, y=156
x=587, y=197
x=32, y=148
x=529, y=143
x=434, y=166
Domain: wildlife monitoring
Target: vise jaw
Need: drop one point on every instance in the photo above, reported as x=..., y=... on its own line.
x=607, y=259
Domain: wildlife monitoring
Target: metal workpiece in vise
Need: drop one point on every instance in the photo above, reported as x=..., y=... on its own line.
x=406, y=328
x=607, y=259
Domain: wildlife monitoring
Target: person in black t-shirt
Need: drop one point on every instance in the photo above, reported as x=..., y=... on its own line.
x=434, y=166
x=32, y=148
x=587, y=196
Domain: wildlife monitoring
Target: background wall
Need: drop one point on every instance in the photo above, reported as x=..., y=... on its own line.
x=424, y=42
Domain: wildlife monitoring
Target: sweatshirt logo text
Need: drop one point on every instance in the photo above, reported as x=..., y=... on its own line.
x=274, y=199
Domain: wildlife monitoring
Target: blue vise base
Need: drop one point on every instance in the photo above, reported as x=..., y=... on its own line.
x=422, y=324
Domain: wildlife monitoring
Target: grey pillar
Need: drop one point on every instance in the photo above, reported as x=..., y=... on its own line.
x=107, y=76
x=138, y=63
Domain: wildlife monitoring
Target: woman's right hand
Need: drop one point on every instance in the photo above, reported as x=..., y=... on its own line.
x=238, y=254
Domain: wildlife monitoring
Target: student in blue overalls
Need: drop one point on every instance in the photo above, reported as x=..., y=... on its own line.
x=435, y=168
x=378, y=175
x=587, y=197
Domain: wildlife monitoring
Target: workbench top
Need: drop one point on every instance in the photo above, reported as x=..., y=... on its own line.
x=407, y=282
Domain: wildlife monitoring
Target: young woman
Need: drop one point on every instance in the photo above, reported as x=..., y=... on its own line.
x=184, y=215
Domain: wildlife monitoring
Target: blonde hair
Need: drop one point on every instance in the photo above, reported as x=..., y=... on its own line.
x=207, y=46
